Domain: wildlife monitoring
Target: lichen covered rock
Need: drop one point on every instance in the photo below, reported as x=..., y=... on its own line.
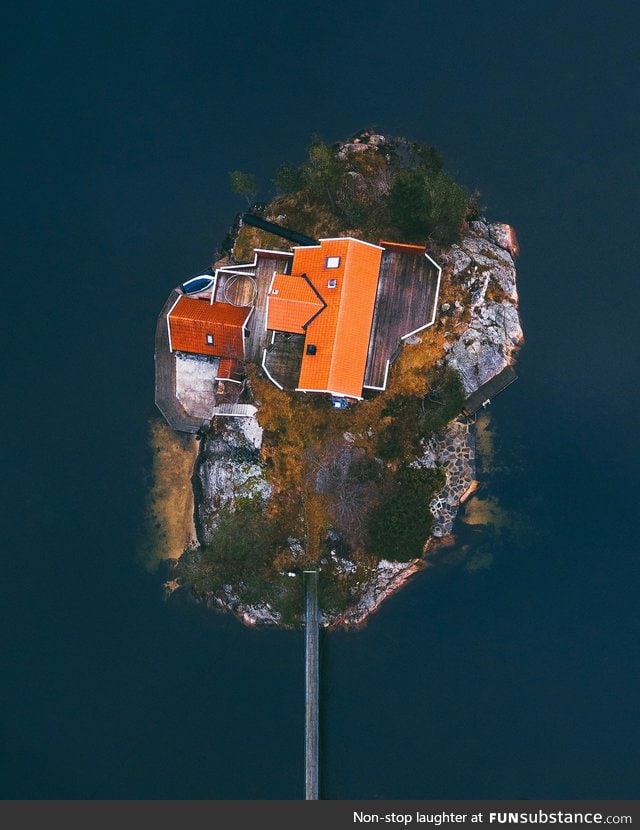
x=491, y=332
x=229, y=468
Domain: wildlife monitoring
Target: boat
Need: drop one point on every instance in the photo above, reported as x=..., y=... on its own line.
x=197, y=284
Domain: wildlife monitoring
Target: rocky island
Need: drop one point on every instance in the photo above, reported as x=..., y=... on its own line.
x=322, y=378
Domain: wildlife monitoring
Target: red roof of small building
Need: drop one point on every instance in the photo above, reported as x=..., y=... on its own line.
x=200, y=327
x=228, y=369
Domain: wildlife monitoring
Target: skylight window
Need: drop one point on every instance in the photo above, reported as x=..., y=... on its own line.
x=209, y=340
x=332, y=262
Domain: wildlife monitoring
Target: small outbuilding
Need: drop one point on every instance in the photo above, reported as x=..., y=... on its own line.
x=197, y=326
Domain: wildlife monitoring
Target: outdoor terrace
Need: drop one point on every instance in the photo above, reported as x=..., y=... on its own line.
x=248, y=285
x=406, y=302
x=282, y=359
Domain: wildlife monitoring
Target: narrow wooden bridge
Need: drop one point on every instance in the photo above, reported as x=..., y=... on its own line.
x=312, y=685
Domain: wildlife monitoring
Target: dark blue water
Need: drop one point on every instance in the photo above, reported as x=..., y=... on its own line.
x=120, y=126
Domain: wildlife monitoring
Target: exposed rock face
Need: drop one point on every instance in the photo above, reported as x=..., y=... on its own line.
x=388, y=578
x=259, y=614
x=505, y=237
x=491, y=332
x=361, y=142
x=229, y=468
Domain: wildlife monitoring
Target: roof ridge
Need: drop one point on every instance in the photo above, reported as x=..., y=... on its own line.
x=319, y=296
x=341, y=306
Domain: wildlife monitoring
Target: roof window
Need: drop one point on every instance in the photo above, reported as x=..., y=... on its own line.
x=209, y=339
x=332, y=262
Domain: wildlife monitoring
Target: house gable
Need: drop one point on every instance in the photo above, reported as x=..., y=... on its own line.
x=293, y=302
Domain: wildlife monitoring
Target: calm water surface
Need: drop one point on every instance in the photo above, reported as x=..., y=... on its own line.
x=516, y=680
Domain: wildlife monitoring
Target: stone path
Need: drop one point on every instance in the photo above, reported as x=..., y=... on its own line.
x=454, y=450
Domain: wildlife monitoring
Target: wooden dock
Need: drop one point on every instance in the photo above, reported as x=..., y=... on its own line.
x=312, y=686
x=483, y=396
x=406, y=301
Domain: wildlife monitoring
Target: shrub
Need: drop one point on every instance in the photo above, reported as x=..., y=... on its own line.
x=242, y=545
x=244, y=184
x=425, y=204
x=400, y=525
x=443, y=400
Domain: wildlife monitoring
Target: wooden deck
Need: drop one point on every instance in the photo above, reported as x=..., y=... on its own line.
x=255, y=284
x=482, y=397
x=283, y=359
x=406, y=301
x=249, y=289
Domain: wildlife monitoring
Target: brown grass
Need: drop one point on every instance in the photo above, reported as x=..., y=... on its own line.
x=170, y=507
x=250, y=238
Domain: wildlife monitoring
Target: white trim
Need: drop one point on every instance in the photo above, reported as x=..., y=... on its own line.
x=241, y=270
x=227, y=380
x=168, y=324
x=214, y=287
x=269, y=251
x=439, y=268
x=331, y=392
x=339, y=239
x=244, y=339
x=435, y=302
x=384, y=383
x=351, y=239
x=246, y=319
x=271, y=378
x=266, y=314
x=237, y=270
x=229, y=268
x=415, y=331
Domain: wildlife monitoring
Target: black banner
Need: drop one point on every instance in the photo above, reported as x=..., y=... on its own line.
x=336, y=815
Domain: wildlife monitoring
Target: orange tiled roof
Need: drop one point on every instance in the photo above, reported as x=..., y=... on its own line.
x=292, y=303
x=403, y=247
x=191, y=321
x=228, y=369
x=340, y=332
